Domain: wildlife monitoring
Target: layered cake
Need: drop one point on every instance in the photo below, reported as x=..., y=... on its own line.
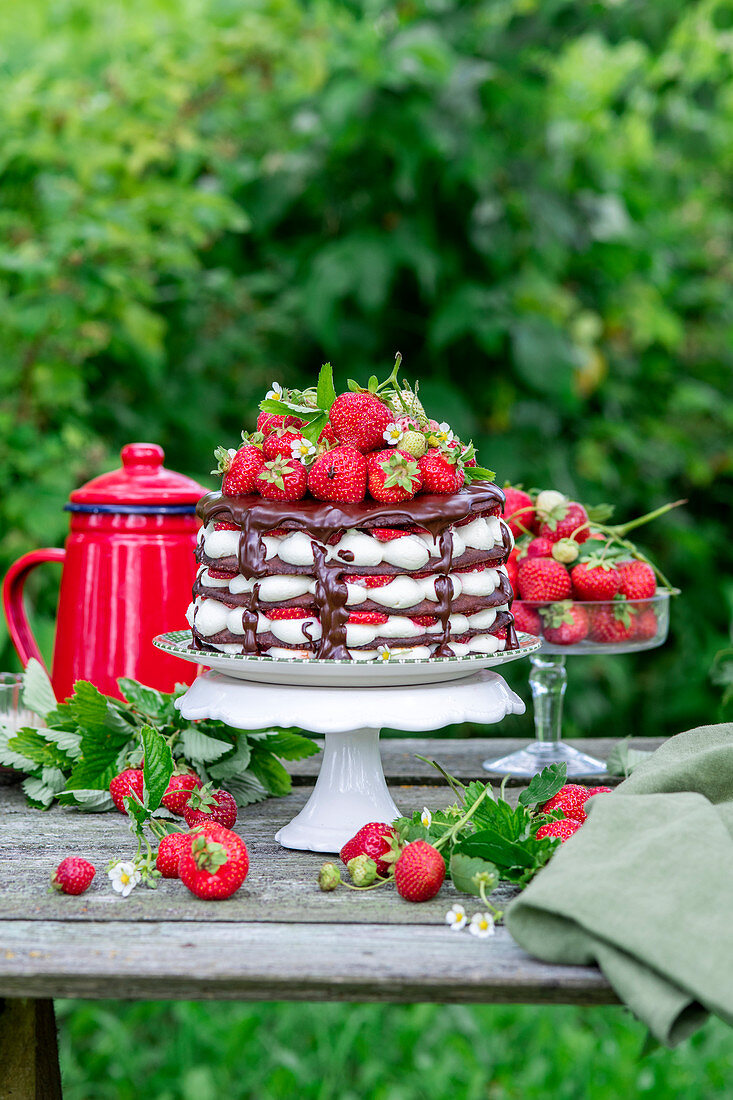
x=352, y=527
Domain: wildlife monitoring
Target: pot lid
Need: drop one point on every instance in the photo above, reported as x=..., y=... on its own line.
x=142, y=480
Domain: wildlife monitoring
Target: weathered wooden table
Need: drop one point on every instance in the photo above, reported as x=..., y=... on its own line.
x=278, y=938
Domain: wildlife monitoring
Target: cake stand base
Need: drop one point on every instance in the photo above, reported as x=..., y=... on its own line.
x=350, y=790
x=527, y=762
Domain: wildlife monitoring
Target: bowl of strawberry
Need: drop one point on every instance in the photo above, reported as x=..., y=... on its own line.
x=579, y=583
x=585, y=588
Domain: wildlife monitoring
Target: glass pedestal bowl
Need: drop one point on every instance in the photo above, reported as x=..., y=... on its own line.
x=648, y=627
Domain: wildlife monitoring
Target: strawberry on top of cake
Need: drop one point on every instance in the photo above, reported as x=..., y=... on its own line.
x=352, y=527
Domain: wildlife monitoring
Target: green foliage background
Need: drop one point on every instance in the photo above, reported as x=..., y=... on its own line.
x=530, y=201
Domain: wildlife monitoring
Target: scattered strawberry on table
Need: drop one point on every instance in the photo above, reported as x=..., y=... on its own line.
x=575, y=578
x=73, y=875
x=215, y=862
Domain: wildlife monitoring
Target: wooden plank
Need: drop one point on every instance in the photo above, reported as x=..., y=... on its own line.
x=283, y=961
x=462, y=758
x=281, y=885
x=29, y=1061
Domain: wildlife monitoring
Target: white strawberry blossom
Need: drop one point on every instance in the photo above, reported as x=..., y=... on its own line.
x=393, y=434
x=302, y=449
x=275, y=393
x=384, y=653
x=456, y=918
x=124, y=877
x=482, y=925
x=426, y=818
x=444, y=433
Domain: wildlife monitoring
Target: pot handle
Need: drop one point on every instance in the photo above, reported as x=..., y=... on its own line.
x=18, y=625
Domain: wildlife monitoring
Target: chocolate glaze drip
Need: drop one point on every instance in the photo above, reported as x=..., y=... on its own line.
x=331, y=595
x=325, y=521
x=249, y=620
x=444, y=592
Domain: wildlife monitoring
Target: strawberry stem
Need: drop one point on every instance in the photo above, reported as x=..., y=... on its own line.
x=462, y=820
x=622, y=529
x=498, y=914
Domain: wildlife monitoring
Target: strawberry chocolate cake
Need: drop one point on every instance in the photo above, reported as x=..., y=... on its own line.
x=352, y=527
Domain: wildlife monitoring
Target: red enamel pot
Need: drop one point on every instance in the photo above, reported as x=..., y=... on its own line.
x=128, y=567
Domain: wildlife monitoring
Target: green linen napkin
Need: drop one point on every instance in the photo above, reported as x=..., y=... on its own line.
x=645, y=888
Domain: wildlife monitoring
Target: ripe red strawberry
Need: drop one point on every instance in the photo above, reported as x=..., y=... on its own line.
x=282, y=479
x=595, y=582
x=539, y=548
x=565, y=519
x=215, y=862
x=612, y=624
x=368, y=618
x=73, y=875
x=419, y=871
x=393, y=476
x=527, y=619
x=599, y=790
x=519, y=511
x=645, y=625
x=359, y=420
x=439, y=473
x=288, y=613
x=565, y=623
x=387, y=534
x=371, y=840
x=169, y=853
x=563, y=829
x=221, y=574
x=267, y=422
x=637, y=580
x=207, y=805
x=375, y=580
x=339, y=475
x=178, y=792
x=543, y=580
x=223, y=525
x=280, y=443
x=571, y=800
x=424, y=620
x=241, y=470
x=126, y=783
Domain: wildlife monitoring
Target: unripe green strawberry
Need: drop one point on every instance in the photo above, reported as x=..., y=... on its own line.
x=363, y=870
x=329, y=877
x=414, y=443
x=565, y=551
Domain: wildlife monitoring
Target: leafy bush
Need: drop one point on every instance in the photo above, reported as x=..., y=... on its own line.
x=529, y=201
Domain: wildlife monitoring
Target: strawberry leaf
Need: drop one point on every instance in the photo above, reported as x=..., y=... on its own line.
x=544, y=785
x=158, y=767
x=314, y=427
x=468, y=872
x=478, y=473
x=325, y=392
x=37, y=694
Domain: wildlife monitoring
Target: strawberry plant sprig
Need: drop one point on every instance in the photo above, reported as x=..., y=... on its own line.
x=484, y=839
x=80, y=745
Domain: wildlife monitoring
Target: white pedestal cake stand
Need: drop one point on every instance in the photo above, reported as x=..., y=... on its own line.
x=350, y=789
